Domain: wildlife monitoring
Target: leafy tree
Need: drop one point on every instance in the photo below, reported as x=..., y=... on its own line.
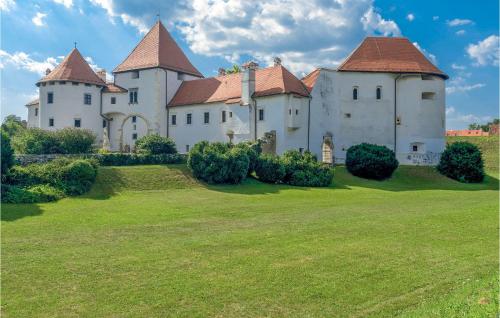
x=13, y=125
x=233, y=70
x=7, y=154
x=474, y=126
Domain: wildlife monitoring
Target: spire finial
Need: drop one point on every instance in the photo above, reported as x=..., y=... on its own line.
x=158, y=16
x=75, y=44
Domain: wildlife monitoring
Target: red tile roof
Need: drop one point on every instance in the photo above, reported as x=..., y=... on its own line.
x=227, y=88
x=33, y=102
x=113, y=88
x=310, y=79
x=73, y=68
x=394, y=55
x=157, y=49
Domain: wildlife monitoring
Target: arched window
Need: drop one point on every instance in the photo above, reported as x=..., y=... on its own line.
x=355, y=93
x=379, y=93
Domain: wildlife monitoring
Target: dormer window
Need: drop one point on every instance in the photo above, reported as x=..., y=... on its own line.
x=135, y=74
x=355, y=93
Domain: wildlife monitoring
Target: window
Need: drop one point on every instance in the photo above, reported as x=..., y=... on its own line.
x=230, y=114
x=134, y=119
x=355, y=93
x=206, y=117
x=296, y=112
x=261, y=114
x=427, y=78
x=51, y=122
x=104, y=124
x=134, y=136
x=36, y=111
x=135, y=74
x=50, y=98
x=223, y=116
x=87, y=99
x=415, y=148
x=428, y=95
x=379, y=93
x=51, y=83
x=347, y=115
x=135, y=127
x=290, y=112
x=62, y=83
x=87, y=85
x=78, y=122
x=174, y=120
x=113, y=100
x=189, y=118
x=181, y=76
x=132, y=94
x=74, y=83
x=301, y=150
x=187, y=148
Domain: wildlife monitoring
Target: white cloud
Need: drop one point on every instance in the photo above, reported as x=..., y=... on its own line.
x=460, y=32
x=458, y=120
x=458, y=67
x=430, y=56
x=126, y=18
x=410, y=17
x=67, y=3
x=460, y=84
x=485, y=52
x=459, y=22
x=7, y=5
x=38, y=19
x=435, y=18
x=21, y=60
x=374, y=23
x=462, y=89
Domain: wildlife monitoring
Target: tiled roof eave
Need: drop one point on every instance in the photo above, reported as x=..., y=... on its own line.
x=444, y=76
x=148, y=67
x=71, y=80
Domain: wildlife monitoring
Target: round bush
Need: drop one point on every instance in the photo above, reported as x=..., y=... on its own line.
x=269, y=169
x=253, y=151
x=218, y=162
x=462, y=161
x=371, y=161
x=7, y=154
x=78, y=176
x=36, y=141
x=75, y=140
x=155, y=145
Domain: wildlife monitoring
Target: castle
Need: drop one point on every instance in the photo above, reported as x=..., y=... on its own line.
x=386, y=92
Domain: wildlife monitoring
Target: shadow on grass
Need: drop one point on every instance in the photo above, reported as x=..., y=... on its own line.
x=13, y=212
x=412, y=178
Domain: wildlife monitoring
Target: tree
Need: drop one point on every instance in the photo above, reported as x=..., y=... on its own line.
x=233, y=70
x=7, y=154
x=12, y=125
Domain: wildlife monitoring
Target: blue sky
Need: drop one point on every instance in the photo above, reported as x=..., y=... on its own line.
x=461, y=37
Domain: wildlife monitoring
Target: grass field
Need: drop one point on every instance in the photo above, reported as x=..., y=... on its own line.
x=149, y=241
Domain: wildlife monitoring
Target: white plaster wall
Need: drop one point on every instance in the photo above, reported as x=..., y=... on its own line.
x=32, y=118
x=69, y=104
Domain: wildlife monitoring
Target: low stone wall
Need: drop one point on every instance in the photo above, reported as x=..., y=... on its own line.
x=111, y=159
x=24, y=160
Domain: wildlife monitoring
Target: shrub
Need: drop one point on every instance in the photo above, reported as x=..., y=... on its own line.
x=371, y=161
x=218, y=162
x=253, y=151
x=75, y=140
x=36, y=141
x=125, y=159
x=34, y=194
x=462, y=161
x=313, y=174
x=270, y=169
x=155, y=145
x=7, y=154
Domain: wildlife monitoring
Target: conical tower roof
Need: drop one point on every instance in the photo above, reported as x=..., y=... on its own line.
x=157, y=49
x=74, y=68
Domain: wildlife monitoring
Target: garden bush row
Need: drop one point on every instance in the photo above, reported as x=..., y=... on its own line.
x=64, y=141
x=128, y=159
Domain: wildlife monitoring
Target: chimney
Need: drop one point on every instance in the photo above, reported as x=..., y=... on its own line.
x=277, y=61
x=102, y=74
x=222, y=71
x=248, y=82
x=47, y=71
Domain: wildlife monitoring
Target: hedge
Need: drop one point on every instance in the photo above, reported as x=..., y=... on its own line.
x=371, y=161
x=126, y=159
x=463, y=162
x=155, y=145
x=64, y=141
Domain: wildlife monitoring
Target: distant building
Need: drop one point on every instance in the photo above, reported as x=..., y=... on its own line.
x=386, y=92
x=467, y=133
x=494, y=130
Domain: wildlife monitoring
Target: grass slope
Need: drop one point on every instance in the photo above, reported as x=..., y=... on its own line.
x=149, y=241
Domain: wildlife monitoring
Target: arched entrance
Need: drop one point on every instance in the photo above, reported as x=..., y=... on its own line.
x=327, y=149
x=133, y=127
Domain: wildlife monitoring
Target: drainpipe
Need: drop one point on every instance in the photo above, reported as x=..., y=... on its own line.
x=101, y=114
x=166, y=100
x=395, y=111
x=255, y=118
x=308, y=122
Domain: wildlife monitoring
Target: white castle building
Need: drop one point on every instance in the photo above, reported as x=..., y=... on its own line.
x=386, y=92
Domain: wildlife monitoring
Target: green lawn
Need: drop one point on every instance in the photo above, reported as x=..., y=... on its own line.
x=149, y=241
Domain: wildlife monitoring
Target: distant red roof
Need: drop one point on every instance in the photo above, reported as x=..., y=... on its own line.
x=227, y=88
x=394, y=55
x=467, y=133
x=33, y=102
x=158, y=49
x=113, y=88
x=74, y=68
x=310, y=79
